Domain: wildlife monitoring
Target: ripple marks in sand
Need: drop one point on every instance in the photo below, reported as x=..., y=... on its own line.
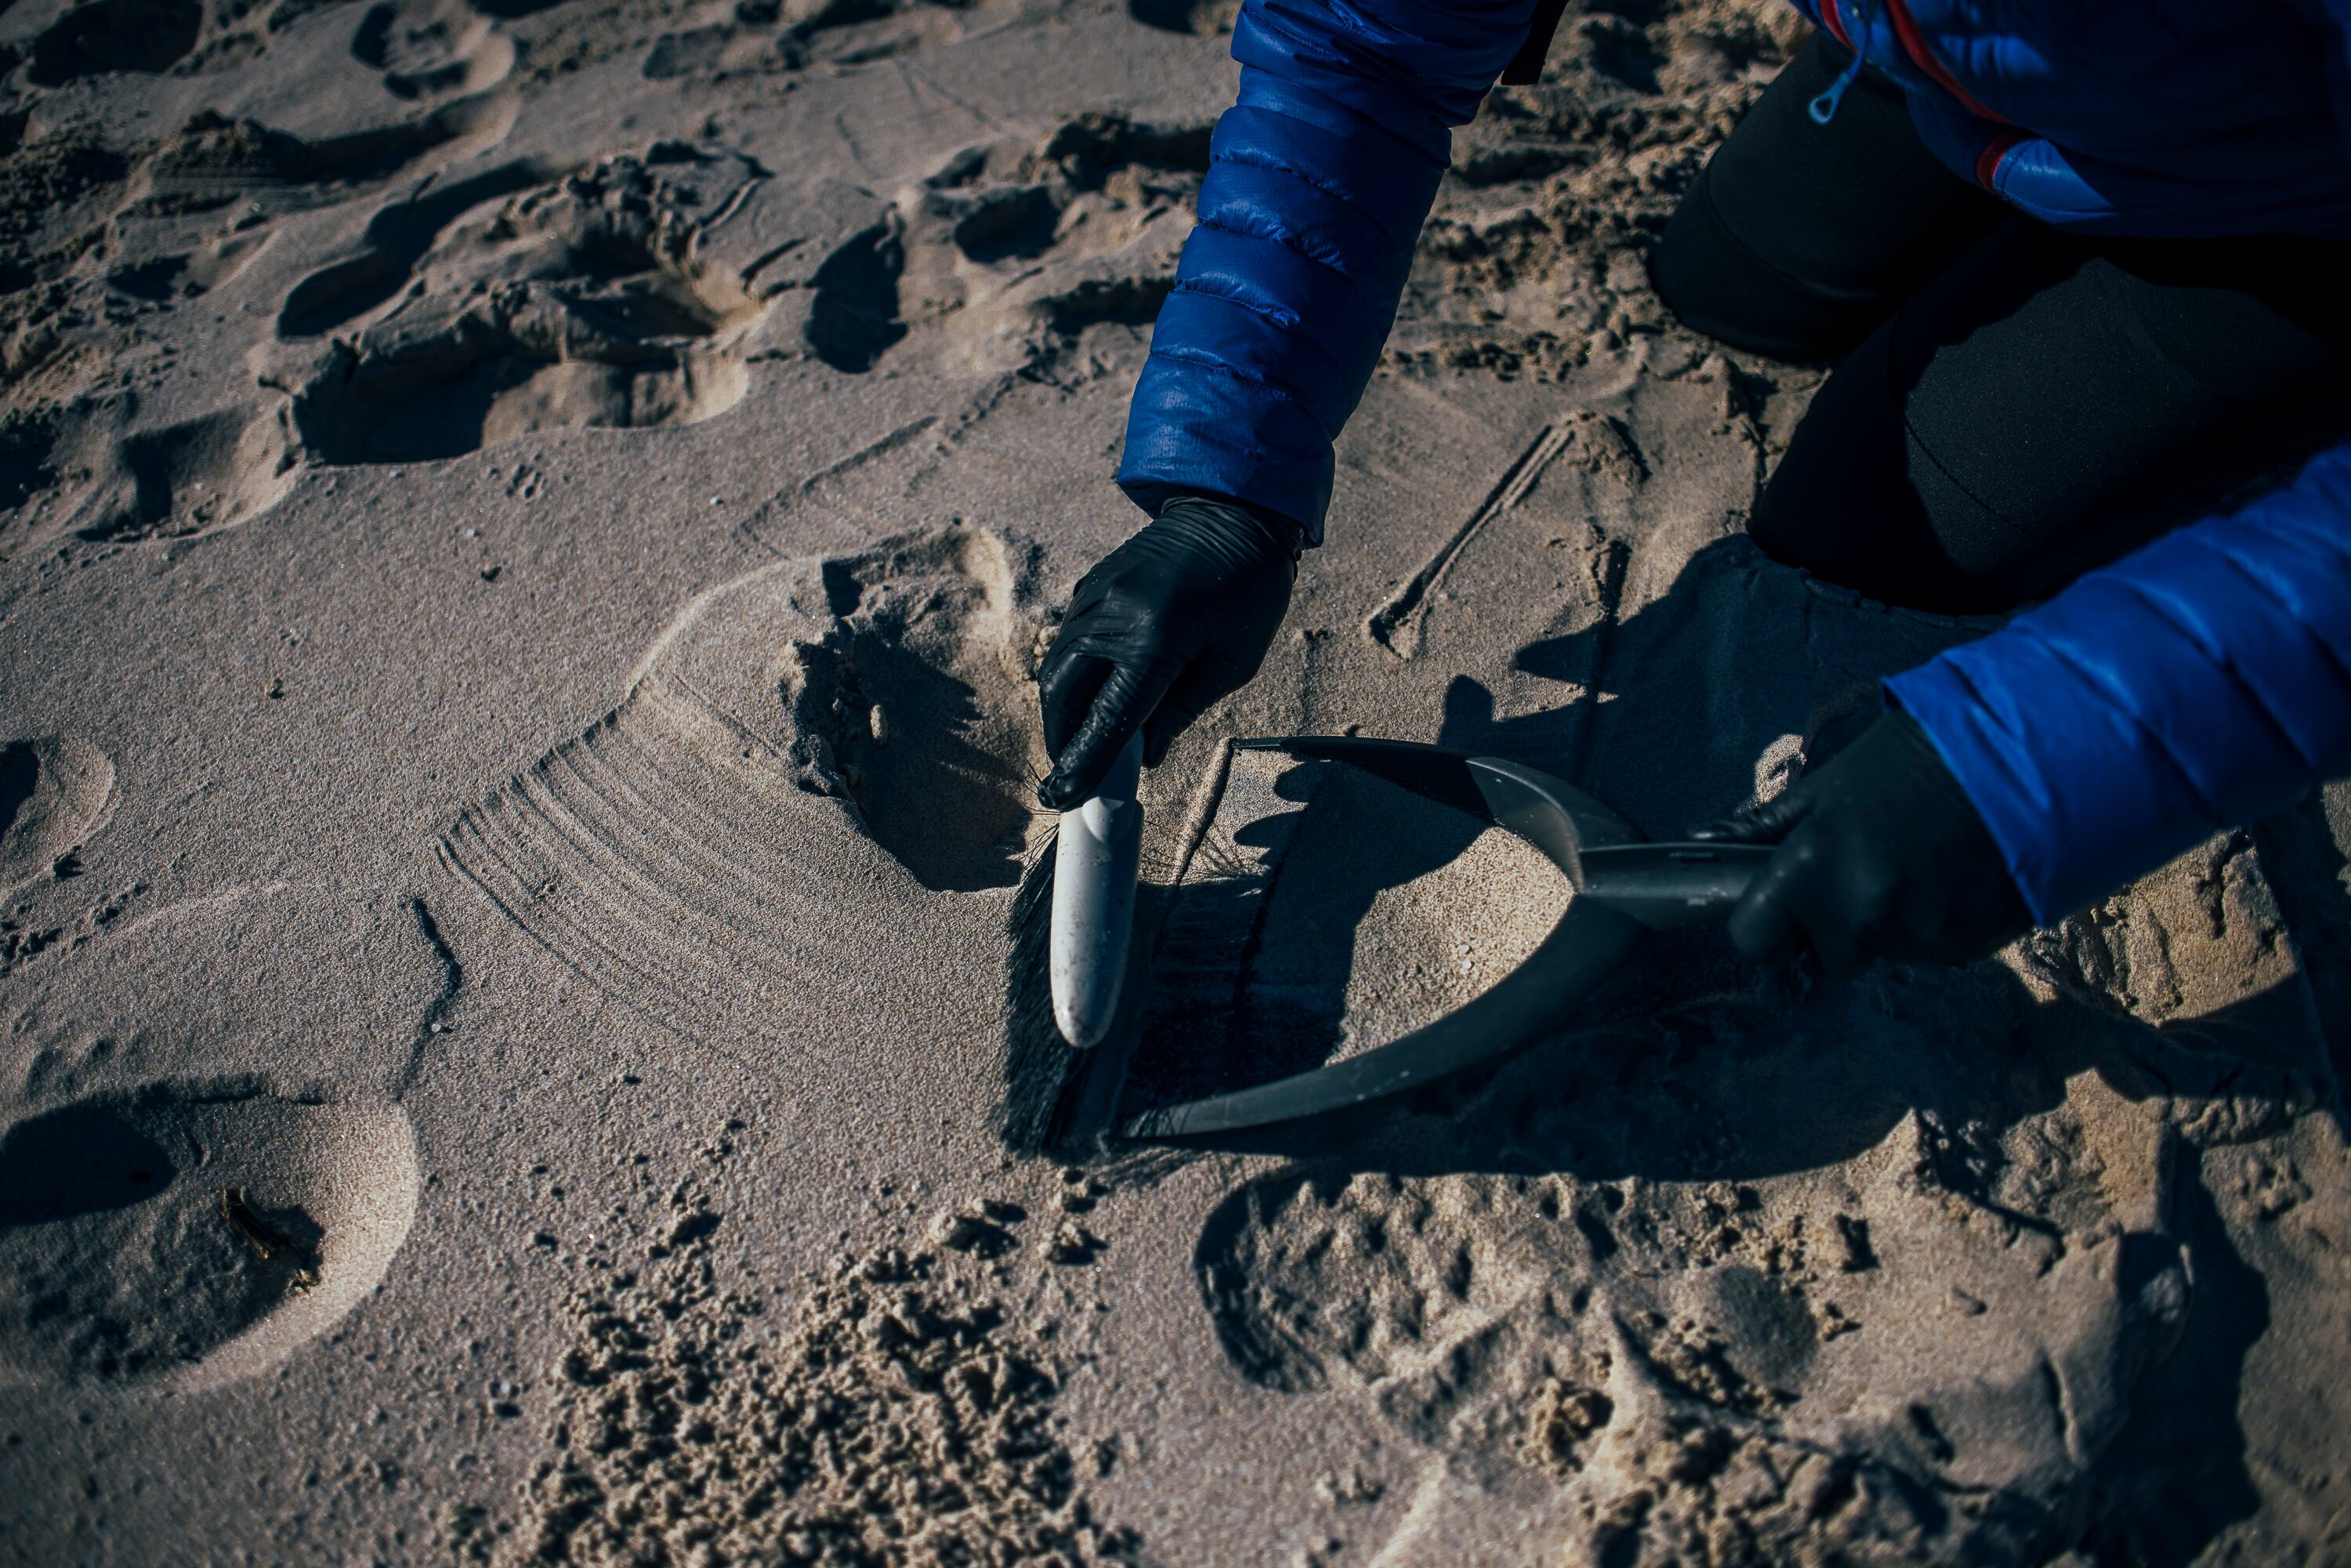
x=54, y=791
x=710, y=851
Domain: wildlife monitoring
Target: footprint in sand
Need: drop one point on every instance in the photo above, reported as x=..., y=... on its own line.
x=1691, y=1357
x=433, y=51
x=768, y=36
x=148, y=36
x=204, y=1160
x=521, y=299
x=96, y=469
x=1192, y=16
x=1002, y=258
x=424, y=48
x=710, y=851
x=191, y=1235
x=1369, y=1282
x=78, y=452
x=86, y=453
x=1677, y=1264
x=380, y=88
x=54, y=793
x=913, y=706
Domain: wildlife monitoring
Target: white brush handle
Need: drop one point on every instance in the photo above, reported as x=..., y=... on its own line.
x=1094, y=863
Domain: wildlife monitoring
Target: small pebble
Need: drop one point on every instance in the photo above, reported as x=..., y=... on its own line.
x=975, y=1224
x=1349, y=1487
x=957, y=1228
x=1070, y=1243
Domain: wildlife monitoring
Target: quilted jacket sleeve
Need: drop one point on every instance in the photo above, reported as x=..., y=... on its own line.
x=2198, y=685
x=1318, y=179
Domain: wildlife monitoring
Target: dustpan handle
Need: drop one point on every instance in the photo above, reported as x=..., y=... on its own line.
x=1668, y=886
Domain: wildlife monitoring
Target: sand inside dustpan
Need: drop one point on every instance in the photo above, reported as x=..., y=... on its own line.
x=1325, y=914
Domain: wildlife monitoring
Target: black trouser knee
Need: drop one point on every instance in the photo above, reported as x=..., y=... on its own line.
x=2014, y=405
x=2050, y=404
x=1798, y=238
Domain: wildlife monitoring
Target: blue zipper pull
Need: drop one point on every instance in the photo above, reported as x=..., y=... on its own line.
x=1823, y=108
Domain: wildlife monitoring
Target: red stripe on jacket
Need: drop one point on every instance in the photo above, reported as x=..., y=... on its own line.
x=1836, y=24
x=1914, y=44
x=1995, y=153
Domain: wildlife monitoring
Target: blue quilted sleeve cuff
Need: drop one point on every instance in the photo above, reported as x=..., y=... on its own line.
x=2198, y=685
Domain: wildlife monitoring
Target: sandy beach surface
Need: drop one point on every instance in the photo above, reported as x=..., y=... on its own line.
x=525, y=534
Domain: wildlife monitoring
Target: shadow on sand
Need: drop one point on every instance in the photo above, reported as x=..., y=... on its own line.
x=1694, y=1066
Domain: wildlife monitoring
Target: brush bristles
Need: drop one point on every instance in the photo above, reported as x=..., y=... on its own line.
x=1041, y=1073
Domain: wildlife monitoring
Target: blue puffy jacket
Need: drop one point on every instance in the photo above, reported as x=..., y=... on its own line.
x=2165, y=117
x=2197, y=685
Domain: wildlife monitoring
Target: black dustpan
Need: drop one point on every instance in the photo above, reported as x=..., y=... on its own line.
x=1624, y=886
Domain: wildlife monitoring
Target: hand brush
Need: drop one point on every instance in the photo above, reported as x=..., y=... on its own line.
x=1097, y=850
x=1071, y=923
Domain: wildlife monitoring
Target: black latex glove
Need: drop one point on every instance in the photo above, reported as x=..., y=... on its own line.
x=1177, y=616
x=1881, y=855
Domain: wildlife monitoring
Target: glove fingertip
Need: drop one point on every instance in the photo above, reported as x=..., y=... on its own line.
x=1763, y=925
x=1120, y=709
x=1077, y=775
x=1066, y=690
x=1761, y=822
x=1739, y=828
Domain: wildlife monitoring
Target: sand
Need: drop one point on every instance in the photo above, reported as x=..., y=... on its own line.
x=525, y=536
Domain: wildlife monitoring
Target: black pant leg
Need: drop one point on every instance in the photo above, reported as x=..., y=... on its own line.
x=2051, y=403
x=1798, y=238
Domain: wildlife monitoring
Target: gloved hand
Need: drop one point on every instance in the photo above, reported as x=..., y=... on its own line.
x=1177, y=616
x=1881, y=855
